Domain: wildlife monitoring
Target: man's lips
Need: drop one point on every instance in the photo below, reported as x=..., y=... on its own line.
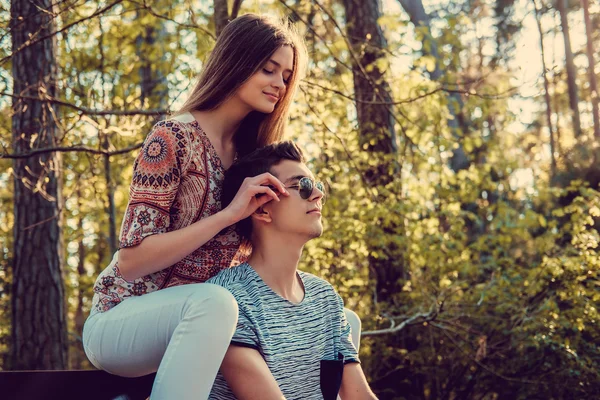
x=315, y=211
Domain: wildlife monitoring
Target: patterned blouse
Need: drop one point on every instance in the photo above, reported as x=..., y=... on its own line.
x=177, y=179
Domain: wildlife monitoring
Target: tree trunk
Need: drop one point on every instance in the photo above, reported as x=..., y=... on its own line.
x=153, y=82
x=561, y=5
x=235, y=9
x=39, y=336
x=376, y=125
x=555, y=80
x=110, y=195
x=420, y=19
x=79, y=356
x=546, y=93
x=221, y=15
x=146, y=82
x=591, y=64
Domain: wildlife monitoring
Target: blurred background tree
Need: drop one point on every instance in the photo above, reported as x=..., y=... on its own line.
x=459, y=140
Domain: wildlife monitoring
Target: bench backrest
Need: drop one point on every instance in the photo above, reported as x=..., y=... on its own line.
x=72, y=385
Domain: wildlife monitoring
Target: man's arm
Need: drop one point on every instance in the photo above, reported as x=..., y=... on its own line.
x=354, y=384
x=248, y=375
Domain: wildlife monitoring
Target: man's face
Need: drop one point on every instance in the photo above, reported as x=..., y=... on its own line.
x=293, y=214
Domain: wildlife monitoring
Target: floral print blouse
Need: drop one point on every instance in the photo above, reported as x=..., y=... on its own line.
x=177, y=179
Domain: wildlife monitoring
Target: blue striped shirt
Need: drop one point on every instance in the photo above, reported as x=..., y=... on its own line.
x=292, y=338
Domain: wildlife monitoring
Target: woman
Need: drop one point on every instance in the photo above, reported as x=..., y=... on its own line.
x=150, y=311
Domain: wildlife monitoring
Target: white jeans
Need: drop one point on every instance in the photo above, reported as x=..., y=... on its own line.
x=181, y=333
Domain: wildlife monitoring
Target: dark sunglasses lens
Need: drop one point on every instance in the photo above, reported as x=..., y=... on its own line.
x=306, y=188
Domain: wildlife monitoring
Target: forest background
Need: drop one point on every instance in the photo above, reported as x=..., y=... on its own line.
x=459, y=140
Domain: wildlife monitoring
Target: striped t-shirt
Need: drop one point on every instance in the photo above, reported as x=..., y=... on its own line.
x=304, y=345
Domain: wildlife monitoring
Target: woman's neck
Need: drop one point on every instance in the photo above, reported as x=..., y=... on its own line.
x=221, y=123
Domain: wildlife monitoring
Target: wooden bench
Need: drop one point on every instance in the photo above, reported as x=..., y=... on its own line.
x=72, y=385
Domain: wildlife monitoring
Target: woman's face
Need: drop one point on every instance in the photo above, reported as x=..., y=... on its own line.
x=267, y=86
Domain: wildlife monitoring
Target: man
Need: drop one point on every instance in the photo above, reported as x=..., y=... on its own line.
x=292, y=339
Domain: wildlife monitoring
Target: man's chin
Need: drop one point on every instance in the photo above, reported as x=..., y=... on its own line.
x=316, y=233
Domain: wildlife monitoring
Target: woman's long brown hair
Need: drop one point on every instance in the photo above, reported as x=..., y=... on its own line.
x=244, y=46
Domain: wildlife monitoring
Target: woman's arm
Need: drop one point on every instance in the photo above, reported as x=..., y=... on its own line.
x=248, y=375
x=162, y=250
x=354, y=384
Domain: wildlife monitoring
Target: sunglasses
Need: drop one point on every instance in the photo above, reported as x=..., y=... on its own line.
x=305, y=187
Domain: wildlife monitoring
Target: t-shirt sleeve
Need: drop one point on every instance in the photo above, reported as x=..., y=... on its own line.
x=245, y=332
x=346, y=346
x=157, y=174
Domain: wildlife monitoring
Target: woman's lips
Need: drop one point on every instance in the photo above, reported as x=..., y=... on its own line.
x=272, y=97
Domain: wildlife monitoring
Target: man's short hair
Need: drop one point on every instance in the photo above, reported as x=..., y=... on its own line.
x=258, y=162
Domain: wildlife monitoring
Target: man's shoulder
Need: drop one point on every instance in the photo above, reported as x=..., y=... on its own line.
x=315, y=283
x=234, y=278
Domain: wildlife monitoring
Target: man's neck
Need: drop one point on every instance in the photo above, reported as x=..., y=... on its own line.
x=276, y=261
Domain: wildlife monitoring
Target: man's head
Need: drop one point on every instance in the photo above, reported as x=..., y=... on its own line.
x=293, y=215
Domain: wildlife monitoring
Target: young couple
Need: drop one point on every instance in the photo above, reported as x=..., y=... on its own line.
x=211, y=178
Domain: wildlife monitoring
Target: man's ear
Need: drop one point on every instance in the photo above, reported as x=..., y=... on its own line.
x=261, y=214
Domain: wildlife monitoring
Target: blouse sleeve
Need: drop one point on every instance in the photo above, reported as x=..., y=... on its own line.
x=157, y=174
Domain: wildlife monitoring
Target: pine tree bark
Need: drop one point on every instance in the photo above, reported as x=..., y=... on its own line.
x=38, y=332
x=221, y=15
x=376, y=122
x=376, y=125
x=591, y=64
x=561, y=6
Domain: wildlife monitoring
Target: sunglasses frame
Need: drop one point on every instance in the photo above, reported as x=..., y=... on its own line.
x=306, y=186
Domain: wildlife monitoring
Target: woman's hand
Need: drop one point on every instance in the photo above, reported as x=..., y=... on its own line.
x=254, y=193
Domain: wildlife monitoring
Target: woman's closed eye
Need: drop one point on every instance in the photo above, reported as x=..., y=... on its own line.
x=266, y=71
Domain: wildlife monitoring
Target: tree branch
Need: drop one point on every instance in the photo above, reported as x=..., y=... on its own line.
x=26, y=19
x=64, y=28
x=479, y=363
x=85, y=110
x=235, y=9
x=348, y=153
x=417, y=318
x=144, y=6
x=70, y=149
x=413, y=99
x=323, y=41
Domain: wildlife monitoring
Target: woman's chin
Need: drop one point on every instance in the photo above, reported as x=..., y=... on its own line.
x=265, y=108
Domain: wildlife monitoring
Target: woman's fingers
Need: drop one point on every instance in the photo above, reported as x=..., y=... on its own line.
x=261, y=200
x=268, y=178
x=258, y=190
